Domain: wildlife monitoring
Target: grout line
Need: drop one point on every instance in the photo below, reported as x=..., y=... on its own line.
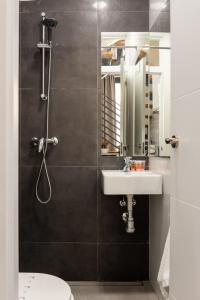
x=49, y=243
x=63, y=12
x=89, y=243
x=195, y=92
x=185, y=203
x=60, y=88
x=60, y=166
x=159, y=11
x=97, y=150
x=107, y=283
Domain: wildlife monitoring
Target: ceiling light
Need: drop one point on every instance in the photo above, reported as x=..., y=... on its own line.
x=100, y=5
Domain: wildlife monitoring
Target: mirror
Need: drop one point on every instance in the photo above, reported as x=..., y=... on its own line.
x=135, y=93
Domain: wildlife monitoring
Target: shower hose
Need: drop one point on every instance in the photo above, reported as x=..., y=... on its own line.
x=45, y=146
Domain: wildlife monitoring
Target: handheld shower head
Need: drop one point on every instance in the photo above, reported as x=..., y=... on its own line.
x=50, y=22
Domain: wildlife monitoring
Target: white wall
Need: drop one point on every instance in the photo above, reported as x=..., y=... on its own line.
x=8, y=149
x=159, y=218
x=185, y=204
x=159, y=207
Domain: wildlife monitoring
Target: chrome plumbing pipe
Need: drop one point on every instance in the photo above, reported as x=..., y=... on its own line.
x=130, y=219
x=43, y=95
x=128, y=216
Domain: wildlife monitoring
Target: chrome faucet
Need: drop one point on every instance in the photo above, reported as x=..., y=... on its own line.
x=40, y=143
x=128, y=161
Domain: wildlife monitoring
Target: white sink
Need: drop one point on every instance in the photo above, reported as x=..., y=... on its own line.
x=116, y=182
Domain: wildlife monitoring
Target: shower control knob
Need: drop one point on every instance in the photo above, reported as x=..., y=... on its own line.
x=35, y=141
x=54, y=140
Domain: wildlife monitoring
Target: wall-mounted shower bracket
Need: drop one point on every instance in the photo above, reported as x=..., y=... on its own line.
x=44, y=46
x=128, y=216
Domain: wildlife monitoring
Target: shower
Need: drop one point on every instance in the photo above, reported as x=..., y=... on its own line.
x=42, y=143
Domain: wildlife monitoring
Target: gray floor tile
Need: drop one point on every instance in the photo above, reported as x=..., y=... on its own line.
x=113, y=292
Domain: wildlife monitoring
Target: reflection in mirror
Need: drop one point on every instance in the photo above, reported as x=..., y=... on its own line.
x=159, y=88
x=135, y=93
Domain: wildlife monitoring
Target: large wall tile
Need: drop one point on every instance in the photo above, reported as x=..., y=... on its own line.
x=159, y=5
x=126, y=5
x=159, y=218
x=111, y=162
x=74, y=61
x=113, y=228
x=68, y=32
x=73, y=119
x=189, y=146
x=136, y=5
x=160, y=22
x=30, y=30
x=185, y=263
x=123, y=262
x=30, y=69
x=185, y=22
x=112, y=21
x=57, y=6
x=74, y=67
x=32, y=124
x=114, y=5
x=75, y=262
x=71, y=29
x=71, y=216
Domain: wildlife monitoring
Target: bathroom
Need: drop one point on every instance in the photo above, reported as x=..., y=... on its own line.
x=96, y=199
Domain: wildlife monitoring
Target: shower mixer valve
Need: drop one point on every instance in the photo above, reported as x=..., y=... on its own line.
x=36, y=142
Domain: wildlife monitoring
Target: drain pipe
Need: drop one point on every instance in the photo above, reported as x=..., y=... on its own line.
x=130, y=221
x=128, y=216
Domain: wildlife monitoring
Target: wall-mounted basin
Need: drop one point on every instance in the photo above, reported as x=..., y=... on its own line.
x=118, y=182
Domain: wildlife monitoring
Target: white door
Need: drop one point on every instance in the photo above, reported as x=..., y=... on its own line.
x=185, y=204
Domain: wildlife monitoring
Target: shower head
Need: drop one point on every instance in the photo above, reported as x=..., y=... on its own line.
x=50, y=22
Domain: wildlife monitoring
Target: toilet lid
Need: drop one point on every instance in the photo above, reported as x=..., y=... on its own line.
x=36, y=286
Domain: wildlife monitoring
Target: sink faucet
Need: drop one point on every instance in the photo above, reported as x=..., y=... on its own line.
x=128, y=161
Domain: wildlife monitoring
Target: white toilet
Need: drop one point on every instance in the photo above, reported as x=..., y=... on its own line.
x=36, y=286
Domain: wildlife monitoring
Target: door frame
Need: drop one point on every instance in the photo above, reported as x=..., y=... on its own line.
x=9, y=124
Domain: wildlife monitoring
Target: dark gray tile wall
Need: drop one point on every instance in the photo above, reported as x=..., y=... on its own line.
x=79, y=235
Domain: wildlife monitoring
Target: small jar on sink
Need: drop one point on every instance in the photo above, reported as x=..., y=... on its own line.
x=138, y=165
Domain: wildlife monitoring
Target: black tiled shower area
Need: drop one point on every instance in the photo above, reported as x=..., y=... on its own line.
x=79, y=235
